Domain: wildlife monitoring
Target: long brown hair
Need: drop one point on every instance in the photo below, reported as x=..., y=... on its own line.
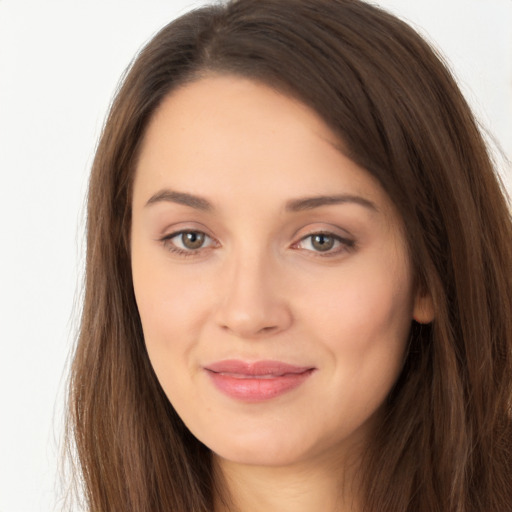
x=446, y=441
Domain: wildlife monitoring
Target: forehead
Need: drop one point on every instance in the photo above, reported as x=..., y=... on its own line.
x=225, y=135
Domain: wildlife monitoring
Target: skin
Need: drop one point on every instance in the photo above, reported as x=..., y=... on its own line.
x=260, y=289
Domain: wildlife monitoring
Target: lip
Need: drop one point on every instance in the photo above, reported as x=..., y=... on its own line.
x=256, y=381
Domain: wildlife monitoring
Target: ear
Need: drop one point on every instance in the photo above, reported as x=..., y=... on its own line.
x=423, y=311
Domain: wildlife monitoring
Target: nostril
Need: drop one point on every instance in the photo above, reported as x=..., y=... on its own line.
x=247, y=331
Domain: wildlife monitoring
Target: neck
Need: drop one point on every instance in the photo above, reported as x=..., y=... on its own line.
x=297, y=488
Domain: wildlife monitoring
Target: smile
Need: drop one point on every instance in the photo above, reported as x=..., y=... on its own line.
x=255, y=382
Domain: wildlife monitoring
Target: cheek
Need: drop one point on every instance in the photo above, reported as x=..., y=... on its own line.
x=364, y=322
x=364, y=329
x=365, y=301
x=171, y=307
x=380, y=309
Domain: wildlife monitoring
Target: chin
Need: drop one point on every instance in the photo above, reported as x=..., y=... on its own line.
x=255, y=448
x=261, y=456
x=276, y=449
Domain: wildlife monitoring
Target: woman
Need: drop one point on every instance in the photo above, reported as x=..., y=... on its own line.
x=299, y=287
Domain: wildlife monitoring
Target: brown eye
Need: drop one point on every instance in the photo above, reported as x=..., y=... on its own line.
x=188, y=243
x=325, y=244
x=322, y=242
x=192, y=239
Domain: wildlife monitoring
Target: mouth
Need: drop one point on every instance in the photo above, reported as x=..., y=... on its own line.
x=257, y=381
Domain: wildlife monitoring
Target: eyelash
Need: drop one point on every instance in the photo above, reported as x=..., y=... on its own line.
x=342, y=244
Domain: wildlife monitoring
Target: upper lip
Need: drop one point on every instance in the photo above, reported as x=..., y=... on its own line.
x=256, y=368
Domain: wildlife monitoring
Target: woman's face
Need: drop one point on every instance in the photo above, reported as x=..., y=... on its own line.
x=271, y=275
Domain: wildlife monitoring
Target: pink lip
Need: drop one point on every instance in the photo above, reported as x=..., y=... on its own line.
x=258, y=381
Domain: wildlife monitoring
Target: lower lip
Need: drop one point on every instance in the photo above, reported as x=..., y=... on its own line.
x=254, y=389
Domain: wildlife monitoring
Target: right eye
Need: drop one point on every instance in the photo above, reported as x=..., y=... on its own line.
x=187, y=242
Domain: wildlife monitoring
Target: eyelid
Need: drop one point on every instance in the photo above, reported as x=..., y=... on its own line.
x=174, y=228
x=326, y=228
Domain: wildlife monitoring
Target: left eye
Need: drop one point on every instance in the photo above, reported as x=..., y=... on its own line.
x=324, y=243
x=188, y=241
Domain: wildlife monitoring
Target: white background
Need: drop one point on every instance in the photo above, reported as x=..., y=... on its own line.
x=59, y=65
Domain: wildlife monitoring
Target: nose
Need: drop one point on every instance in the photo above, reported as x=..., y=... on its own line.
x=252, y=302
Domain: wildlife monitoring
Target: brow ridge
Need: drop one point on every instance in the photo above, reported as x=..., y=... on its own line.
x=184, y=198
x=293, y=205
x=309, y=203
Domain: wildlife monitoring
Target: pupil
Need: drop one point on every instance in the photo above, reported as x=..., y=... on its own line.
x=323, y=242
x=192, y=240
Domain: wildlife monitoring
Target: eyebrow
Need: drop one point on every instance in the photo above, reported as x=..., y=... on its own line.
x=309, y=203
x=172, y=196
x=294, y=205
